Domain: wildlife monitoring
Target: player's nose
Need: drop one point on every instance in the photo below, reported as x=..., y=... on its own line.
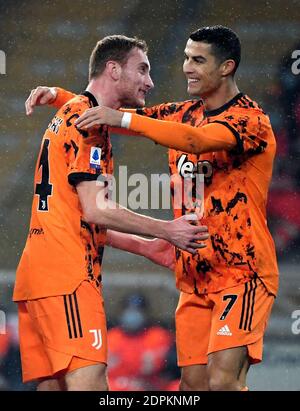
x=186, y=67
x=149, y=83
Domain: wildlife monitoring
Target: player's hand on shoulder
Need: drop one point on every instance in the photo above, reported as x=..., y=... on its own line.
x=40, y=96
x=96, y=116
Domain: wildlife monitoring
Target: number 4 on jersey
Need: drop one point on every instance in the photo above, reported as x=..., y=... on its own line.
x=44, y=188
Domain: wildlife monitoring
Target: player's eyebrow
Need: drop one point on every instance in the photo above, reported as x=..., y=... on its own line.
x=195, y=57
x=199, y=57
x=145, y=65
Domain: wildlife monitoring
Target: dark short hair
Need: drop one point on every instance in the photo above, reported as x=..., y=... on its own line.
x=115, y=48
x=225, y=43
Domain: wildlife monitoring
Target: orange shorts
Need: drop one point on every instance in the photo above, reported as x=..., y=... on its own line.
x=62, y=333
x=231, y=318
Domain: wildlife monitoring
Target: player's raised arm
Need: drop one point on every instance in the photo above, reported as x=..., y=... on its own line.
x=183, y=137
x=90, y=119
x=44, y=95
x=57, y=97
x=211, y=137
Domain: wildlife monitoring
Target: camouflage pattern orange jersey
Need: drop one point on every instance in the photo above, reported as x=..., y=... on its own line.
x=236, y=187
x=62, y=250
x=236, y=183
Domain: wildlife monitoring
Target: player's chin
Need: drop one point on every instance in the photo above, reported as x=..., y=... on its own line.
x=193, y=91
x=139, y=102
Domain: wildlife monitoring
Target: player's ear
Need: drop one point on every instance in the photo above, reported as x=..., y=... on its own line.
x=114, y=69
x=227, y=67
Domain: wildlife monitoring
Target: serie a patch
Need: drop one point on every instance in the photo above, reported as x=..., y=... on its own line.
x=95, y=157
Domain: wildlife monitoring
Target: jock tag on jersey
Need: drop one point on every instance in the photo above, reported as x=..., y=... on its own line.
x=95, y=157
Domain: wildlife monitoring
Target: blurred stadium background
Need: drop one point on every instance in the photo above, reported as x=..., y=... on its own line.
x=50, y=42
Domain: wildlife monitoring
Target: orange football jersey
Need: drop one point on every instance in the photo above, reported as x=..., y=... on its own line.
x=236, y=184
x=62, y=250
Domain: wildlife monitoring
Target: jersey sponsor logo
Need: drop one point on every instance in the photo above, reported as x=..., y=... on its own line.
x=187, y=168
x=224, y=331
x=95, y=157
x=97, y=343
x=55, y=124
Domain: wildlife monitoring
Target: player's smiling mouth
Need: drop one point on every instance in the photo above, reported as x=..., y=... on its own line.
x=144, y=92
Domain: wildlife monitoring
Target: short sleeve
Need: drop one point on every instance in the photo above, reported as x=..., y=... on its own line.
x=252, y=132
x=62, y=97
x=88, y=154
